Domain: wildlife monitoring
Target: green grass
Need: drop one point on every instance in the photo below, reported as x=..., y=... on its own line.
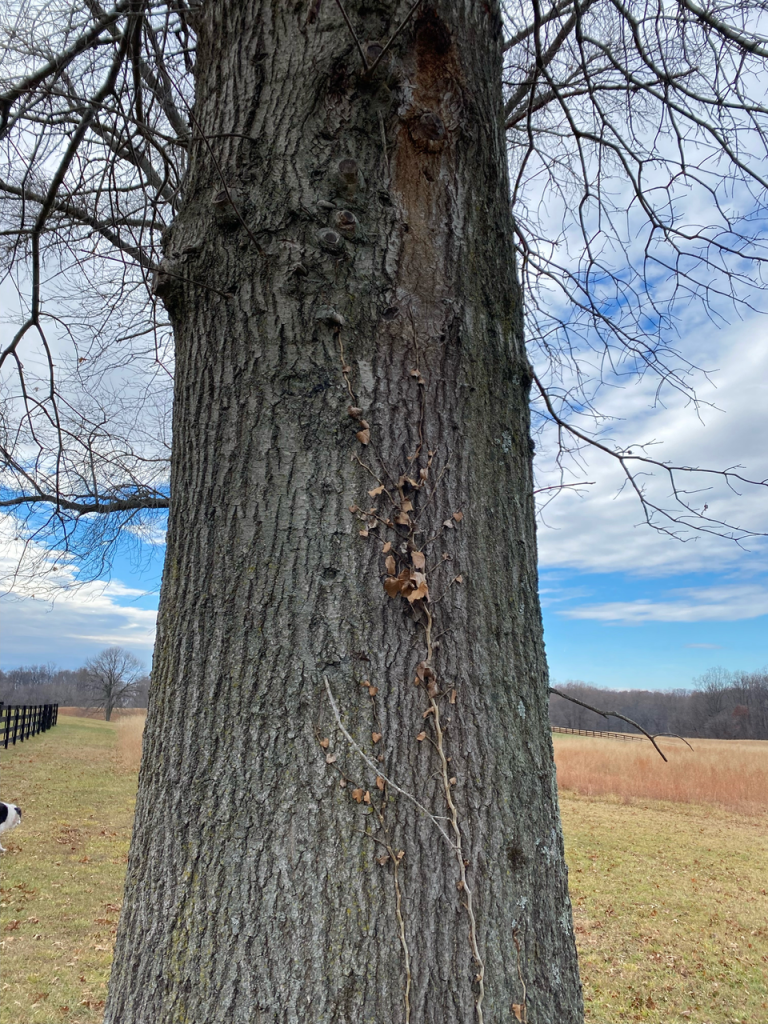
x=670, y=910
x=669, y=900
x=61, y=881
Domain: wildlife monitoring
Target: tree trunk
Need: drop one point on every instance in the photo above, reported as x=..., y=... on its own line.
x=346, y=242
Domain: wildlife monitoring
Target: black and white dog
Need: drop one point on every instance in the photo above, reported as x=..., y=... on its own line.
x=10, y=817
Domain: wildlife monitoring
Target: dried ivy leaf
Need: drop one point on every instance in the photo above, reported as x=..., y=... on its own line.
x=459, y=579
x=458, y=516
x=421, y=669
x=365, y=424
x=415, y=373
x=363, y=533
x=393, y=586
x=363, y=436
x=387, y=548
x=432, y=688
x=384, y=859
x=353, y=509
x=365, y=682
x=423, y=473
x=375, y=736
x=330, y=758
x=390, y=564
x=380, y=783
x=421, y=590
x=418, y=559
x=376, y=491
x=518, y=1009
x=357, y=794
x=448, y=524
x=325, y=743
x=400, y=855
x=372, y=691
x=367, y=797
x=452, y=781
x=343, y=784
x=407, y=506
x=428, y=712
x=421, y=736
x=402, y=519
x=354, y=412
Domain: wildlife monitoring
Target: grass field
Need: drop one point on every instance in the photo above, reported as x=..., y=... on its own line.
x=669, y=895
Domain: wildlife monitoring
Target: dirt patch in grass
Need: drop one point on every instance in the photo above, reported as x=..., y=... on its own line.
x=61, y=881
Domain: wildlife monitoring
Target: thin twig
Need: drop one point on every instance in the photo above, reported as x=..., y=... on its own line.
x=340, y=5
x=606, y=714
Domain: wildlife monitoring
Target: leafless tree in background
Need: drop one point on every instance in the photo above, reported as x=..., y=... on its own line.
x=113, y=679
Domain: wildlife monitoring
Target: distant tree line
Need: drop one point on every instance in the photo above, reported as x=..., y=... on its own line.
x=721, y=705
x=112, y=679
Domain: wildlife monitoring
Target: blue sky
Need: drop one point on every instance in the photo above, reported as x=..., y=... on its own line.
x=623, y=605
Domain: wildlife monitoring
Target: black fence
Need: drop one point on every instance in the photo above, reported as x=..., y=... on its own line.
x=20, y=721
x=594, y=732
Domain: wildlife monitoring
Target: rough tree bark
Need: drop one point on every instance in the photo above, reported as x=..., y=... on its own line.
x=346, y=242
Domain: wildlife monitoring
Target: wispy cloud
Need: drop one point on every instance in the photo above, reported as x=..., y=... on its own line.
x=726, y=603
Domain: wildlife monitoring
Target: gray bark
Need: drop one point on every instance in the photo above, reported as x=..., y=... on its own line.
x=369, y=216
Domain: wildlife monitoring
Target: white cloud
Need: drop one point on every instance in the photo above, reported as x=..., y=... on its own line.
x=603, y=531
x=725, y=603
x=55, y=618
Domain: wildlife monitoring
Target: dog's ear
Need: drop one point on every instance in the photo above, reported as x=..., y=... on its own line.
x=3, y=812
x=18, y=811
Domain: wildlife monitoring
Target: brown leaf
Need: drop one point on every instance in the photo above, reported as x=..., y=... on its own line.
x=357, y=794
x=390, y=565
x=402, y=519
x=353, y=509
x=459, y=885
x=420, y=593
x=375, y=736
x=343, y=784
x=11, y=926
x=415, y=373
x=432, y=688
x=363, y=533
x=367, y=797
x=384, y=859
x=365, y=682
x=423, y=473
x=393, y=586
x=380, y=783
x=459, y=579
x=354, y=412
x=518, y=1009
x=421, y=669
x=452, y=781
x=428, y=712
x=422, y=736
x=325, y=743
x=400, y=855
x=376, y=491
x=453, y=697
x=448, y=524
x=363, y=436
x=407, y=505
x=365, y=424
x=387, y=548
x=418, y=559
x=372, y=691
x=458, y=516
x=346, y=368
x=330, y=758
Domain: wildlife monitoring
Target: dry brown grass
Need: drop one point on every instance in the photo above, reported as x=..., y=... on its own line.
x=98, y=715
x=730, y=773
x=130, y=730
